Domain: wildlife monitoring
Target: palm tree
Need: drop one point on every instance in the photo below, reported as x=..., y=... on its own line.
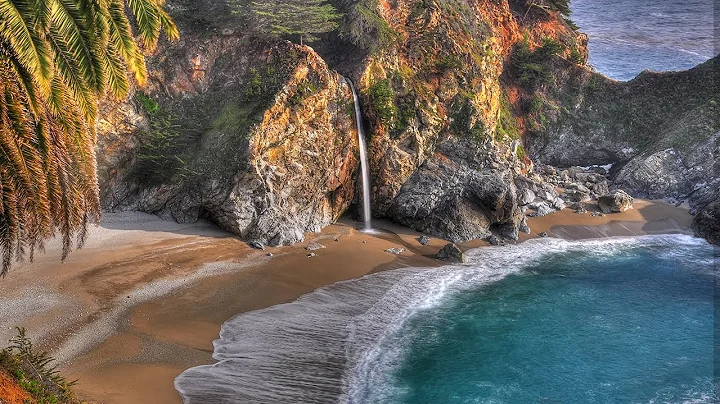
x=57, y=58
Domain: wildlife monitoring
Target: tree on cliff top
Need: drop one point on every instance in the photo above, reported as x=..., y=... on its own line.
x=278, y=19
x=57, y=58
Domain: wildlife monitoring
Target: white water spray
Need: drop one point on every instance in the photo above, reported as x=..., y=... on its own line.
x=367, y=216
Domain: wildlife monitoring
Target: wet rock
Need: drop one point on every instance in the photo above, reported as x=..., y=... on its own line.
x=451, y=253
x=395, y=250
x=493, y=240
x=618, y=201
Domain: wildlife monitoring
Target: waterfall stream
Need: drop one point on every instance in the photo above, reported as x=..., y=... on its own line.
x=367, y=216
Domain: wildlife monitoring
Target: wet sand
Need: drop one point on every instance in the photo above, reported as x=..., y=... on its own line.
x=145, y=299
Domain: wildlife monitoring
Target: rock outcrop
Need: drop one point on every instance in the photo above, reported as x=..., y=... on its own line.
x=707, y=222
x=258, y=138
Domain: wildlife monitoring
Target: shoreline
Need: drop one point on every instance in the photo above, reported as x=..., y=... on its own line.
x=154, y=294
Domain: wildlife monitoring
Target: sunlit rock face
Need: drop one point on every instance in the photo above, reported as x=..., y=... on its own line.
x=258, y=138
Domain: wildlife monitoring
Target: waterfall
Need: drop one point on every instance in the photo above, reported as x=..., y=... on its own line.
x=367, y=216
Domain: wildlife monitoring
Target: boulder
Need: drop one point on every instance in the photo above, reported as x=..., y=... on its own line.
x=618, y=201
x=707, y=223
x=424, y=240
x=451, y=253
x=541, y=209
x=494, y=240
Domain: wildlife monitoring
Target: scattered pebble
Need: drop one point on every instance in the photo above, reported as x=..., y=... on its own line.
x=314, y=247
x=364, y=242
x=337, y=239
x=543, y=234
x=597, y=214
x=269, y=254
x=311, y=255
x=395, y=250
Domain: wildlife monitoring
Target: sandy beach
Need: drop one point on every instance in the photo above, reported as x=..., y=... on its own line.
x=145, y=298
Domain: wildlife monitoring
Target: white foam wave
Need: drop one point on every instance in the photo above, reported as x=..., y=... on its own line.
x=325, y=347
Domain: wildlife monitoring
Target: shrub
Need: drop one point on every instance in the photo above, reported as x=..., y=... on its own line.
x=382, y=101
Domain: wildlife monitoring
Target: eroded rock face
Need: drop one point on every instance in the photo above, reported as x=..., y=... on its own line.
x=260, y=139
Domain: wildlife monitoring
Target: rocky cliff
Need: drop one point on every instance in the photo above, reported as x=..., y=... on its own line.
x=258, y=135
x=259, y=138
x=660, y=131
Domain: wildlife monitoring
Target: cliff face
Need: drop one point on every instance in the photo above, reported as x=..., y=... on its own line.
x=445, y=156
x=258, y=138
x=660, y=131
x=258, y=135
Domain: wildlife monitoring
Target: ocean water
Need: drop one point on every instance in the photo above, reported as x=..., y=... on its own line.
x=629, y=36
x=622, y=320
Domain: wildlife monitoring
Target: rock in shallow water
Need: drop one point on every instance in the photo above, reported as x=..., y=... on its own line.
x=451, y=253
x=618, y=201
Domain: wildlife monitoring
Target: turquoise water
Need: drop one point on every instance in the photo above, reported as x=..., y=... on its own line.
x=623, y=320
x=631, y=326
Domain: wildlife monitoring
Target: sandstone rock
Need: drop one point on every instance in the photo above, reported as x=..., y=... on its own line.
x=618, y=201
x=451, y=253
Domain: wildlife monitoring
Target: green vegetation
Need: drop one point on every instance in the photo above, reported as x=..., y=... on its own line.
x=507, y=125
x=150, y=105
x=57, y=59
x=382, y=101
x=364, y=27
x=463, y=118
x=530, y=66
x=288, y=18
x=34, y=372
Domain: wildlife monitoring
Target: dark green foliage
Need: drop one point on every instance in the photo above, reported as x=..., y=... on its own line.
x=450, y=62
x=530, y=66
x=35, y=372
x=288, y=18
x=364, y=27
x=150, y=105
x=382, y=101
x=464, y=122
x=304, y=89
x=507, y=125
